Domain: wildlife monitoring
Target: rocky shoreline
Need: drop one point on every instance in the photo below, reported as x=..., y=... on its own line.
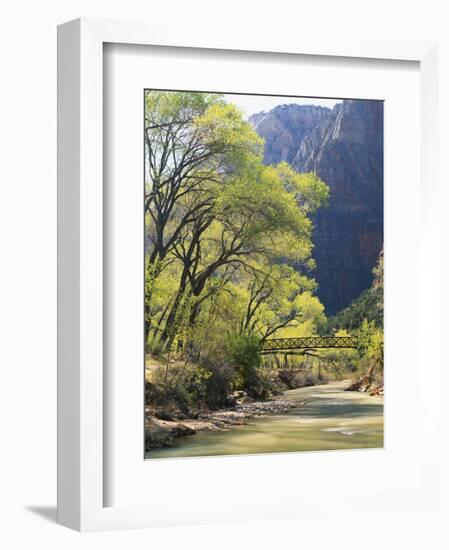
x=365, y=385
x=162, y=433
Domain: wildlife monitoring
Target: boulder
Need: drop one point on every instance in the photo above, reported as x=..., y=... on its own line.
x=160, y=433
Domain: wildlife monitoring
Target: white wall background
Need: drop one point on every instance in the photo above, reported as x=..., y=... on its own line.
x=28, y=268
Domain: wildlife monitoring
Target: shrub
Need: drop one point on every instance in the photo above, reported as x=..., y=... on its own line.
x=218, y=385
x=299, y=379
x=176, y=390
x=244, y=352
x=179, y=390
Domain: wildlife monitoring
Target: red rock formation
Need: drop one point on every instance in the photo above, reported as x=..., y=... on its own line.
x=344, y=146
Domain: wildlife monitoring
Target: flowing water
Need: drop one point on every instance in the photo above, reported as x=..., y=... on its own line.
x=327, y=418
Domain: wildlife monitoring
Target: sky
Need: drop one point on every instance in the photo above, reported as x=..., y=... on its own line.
x=251, y=104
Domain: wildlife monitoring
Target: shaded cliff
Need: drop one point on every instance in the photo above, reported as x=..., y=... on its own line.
x=344, y=146
x=369, y=305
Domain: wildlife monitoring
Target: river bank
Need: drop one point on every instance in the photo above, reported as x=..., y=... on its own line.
x=331, y=399
x=162, y=433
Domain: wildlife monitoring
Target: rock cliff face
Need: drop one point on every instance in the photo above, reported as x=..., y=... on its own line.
x=344, y=146
x=292, y=132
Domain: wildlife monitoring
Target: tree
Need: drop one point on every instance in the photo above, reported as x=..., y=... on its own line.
x=276, y=301
x=368, y=306
x=193, y=141
x=257, y=215
x=214, y=211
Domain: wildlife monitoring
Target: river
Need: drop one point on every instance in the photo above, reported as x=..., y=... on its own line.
x=326, y=418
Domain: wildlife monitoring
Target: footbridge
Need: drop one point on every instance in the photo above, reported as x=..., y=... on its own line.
x=285, y=345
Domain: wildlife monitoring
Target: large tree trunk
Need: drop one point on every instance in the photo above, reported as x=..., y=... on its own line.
x=172, y=323
x=170, y=329
x=194, y=311
x=153, y=270
x=146, y=325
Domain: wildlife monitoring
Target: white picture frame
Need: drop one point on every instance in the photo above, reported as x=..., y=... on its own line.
x=81, y=487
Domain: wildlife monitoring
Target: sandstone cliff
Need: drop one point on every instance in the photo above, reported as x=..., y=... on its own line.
x=344, y=146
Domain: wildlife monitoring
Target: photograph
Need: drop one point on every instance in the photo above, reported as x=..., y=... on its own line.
x=263, y=273
x=197, y=239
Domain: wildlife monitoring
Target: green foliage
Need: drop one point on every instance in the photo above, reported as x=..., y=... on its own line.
x=309, y=191
x=219, y=385
x=368, y=306
x=364, y=319
x=244, y=354
x=222, y=234
x=341, y=362
x=219, y=223
x=371, y=338
x=179, y=390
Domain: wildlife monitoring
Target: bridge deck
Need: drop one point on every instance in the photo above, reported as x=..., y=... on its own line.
x=310, y=342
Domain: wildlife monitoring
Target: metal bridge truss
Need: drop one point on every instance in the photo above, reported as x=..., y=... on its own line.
x=282, y=345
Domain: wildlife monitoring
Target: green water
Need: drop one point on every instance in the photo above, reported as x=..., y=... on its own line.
x=329, y=419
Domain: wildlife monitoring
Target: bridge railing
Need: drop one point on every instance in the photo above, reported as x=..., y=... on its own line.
x=310, y=342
